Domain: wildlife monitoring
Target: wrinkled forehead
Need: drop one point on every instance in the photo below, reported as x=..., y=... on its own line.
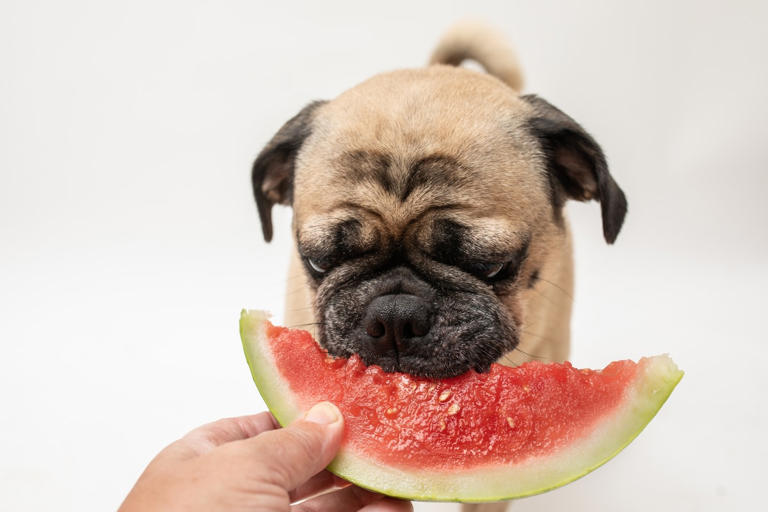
x=399, y=192
x=411, y=142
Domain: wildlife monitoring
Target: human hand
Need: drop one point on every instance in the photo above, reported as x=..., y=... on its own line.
x=251, y=464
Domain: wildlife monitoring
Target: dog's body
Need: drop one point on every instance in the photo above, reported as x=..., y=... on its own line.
x=428, y=214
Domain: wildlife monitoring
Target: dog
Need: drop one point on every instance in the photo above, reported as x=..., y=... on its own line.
x=428, y=214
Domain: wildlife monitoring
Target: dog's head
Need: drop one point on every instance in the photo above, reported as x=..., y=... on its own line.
x=425, y=202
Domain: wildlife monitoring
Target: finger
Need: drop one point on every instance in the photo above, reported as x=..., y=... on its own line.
x=389, y=505
x=204, y=439
x=321, y=483
x=353, y=499
x=292, y=455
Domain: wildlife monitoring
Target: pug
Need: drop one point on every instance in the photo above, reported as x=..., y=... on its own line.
x=428, y=214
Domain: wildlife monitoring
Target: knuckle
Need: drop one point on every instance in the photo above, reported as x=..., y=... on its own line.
x=290, y=451
x=307, y=443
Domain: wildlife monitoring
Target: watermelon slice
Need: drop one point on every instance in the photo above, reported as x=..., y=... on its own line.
x=508, y=433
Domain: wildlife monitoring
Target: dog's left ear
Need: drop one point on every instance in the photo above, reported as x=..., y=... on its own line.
x=576, y=164
x=272, y=174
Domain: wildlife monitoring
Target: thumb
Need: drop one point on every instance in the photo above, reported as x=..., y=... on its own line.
x=290, y=456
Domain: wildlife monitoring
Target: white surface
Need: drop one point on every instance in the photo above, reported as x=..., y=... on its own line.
x=129, y=241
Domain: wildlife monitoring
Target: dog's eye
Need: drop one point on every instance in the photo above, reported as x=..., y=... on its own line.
x=487, y=270
x=320, y=269
x=494, y=270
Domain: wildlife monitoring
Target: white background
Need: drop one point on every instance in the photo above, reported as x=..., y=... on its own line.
x=129, y=241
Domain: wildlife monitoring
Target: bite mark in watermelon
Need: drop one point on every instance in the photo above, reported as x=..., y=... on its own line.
x=508, y=433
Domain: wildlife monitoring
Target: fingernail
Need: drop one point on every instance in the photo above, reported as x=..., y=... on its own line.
x=323, y=413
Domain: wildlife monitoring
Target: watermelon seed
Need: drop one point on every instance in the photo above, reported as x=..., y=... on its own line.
x=526, y=388
x=445, y=395
x=441, y=425
x=453, y=409
x=510, y=422
x=392, y=411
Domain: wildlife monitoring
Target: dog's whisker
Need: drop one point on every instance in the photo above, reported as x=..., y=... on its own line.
x=511, y=362
x=539, y=336
x=543, y=358
x=565, y=292
x=296, y=326
x=293, y=310
x=295, y=290
x=544, y=297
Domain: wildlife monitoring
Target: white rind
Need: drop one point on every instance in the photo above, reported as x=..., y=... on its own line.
x=656, y=378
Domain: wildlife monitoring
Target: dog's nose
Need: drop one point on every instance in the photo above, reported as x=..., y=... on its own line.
x=393, y=321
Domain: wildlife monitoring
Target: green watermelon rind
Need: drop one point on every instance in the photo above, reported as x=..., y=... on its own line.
x=656, y=378
x=263, y=369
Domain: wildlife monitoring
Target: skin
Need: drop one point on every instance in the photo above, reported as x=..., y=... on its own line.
x=251, y=464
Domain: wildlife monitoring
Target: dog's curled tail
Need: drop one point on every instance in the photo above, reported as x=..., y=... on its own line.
x=481, y=43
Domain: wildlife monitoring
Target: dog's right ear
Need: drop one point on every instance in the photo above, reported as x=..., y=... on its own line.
x=272, y=174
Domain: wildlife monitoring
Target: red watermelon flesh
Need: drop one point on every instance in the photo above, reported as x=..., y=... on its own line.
x=535, y=427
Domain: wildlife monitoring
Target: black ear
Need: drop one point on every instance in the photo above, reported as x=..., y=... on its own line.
x=576, y=164
x=272, y=174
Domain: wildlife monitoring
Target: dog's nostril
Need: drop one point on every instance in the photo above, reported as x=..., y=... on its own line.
x=393, y=321
x=375, y=329
x=419, y=329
